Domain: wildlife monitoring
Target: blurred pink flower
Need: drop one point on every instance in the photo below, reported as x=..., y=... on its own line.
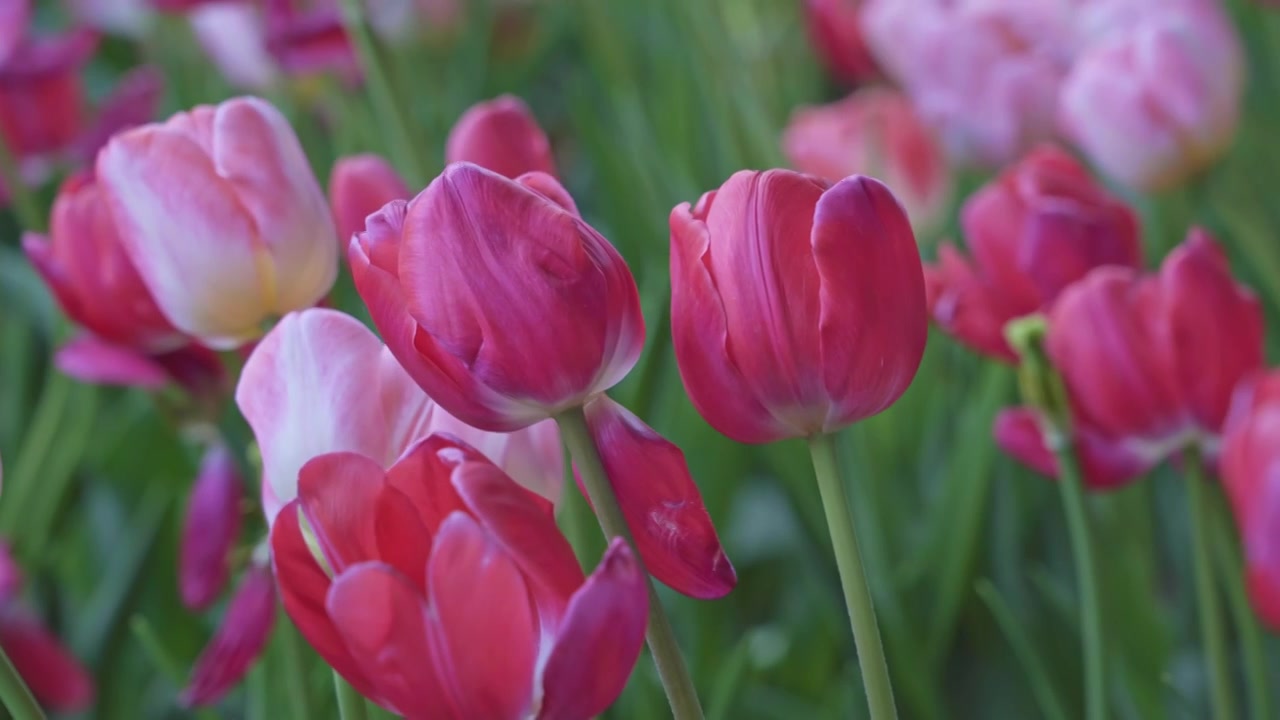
x=307, y=36
x=1156, y=98
x=359, y=186
x=836, y=33
x=210, y=529
x=127, y=18
x=233, y=35
x=42, y=103
x=239, y=640
x=874, y=132
x=14, y=16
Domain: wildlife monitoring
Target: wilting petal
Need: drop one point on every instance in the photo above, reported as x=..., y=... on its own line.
x=90, y=360
x=210, y=529
x=662, y=505
x=53, y=674
x=481, y=603
x=600, y=640
x=238, y=642
x=500, y=135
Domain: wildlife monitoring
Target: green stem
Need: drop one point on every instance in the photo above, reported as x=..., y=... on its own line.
x=853, y=579
x=1071, y=487
x=661, y=638
x=1211, y=630
x=390, y=114
x=17, y=698
x=295, y=679
x=21, y=201
x=1232, y=577
x=42, y=435
x=351, y=704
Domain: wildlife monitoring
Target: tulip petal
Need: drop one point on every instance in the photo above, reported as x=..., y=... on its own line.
x=210, y=529
x=53, y=674
x=382, y=618
x=424, y=475
x=1106, y=465
x=358, y=187
x=90, y=360
x=500, y=135
x=483, y=623
x=965, y=307
x=874, y=319
x=600, y=640
x=662, y=505
x=240, y=639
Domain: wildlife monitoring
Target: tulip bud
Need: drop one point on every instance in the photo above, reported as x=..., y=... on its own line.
x=874, y=132
x=232, y=35
x=836, y=34
x=1158, y=101
x=210, y=529
x=223, y=218
x=797, y=306
x=503, y=136
x=497, y=298
x=240, y=639
x=358, y=187
x=42, y=106
x=309, y=39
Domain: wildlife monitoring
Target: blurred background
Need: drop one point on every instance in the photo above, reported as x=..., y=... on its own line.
x=648, y=104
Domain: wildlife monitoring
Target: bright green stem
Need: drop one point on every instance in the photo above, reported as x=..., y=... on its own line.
x=351, y=704
x=661, y=638
x=20, y=198
x=17, y=698
x=857, y=596
x=390, y=113
x=1231, y=574
x=1212, y=636
x=1072, y=489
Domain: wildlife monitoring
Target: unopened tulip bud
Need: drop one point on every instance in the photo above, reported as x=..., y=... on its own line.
x=239, y=640
x=358, y=187
x=222, y=216
x=836, y=33
x=503, y=136
x=210, y=529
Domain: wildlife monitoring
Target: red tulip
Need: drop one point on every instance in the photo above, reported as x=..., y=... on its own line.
x=497, y=298
x=503, y=136
x=440, y=588
x=210, y=529
x=836, y=32
x=661, y=503
x=874, y=132
x=42, y=104
x=358, y=187
x=797, y=306
x=239, y=640
x=1250, y=452
x=1042, y=225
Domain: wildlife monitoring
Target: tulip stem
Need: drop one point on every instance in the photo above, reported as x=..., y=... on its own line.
x=20, y=198
x=1231, y=574
x=351, y=704
x=390, y=113
x=1212, y=637
x=661, y=638
x=853, y=579
x=1071, y=487
x=17, y=697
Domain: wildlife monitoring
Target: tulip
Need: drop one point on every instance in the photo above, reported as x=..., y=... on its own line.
x=503, y=136
x=232, y=35
x=797, y=306
x=874, y=132
x=309, y=39
x=358, y=187
x=1249, y=456
x=1043, y=224
x=836, y=33
x=440, y=588
x=210, y=530
x=984, y=75
x=1157, y=101
x=42, y=104
x=497, y=298
x=223, y=218
x=14, y=16
x=1105, y=465
x=239, y=640
x=367, y=404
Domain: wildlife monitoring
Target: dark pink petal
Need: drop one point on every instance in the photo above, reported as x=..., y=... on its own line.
x=383, y=620
x=424, y=474
x=308, y=41
x=600, y=640
x=662, y=505
x=483, y=626
x=500, y=135
x=548, y=187
x=359, y=186
x=196, y=368
x=238, y=642
x=874, y=319
x=965, y=307
x=304, y=585
x=14, y=16
x=53, y=674
x=1106, y=465
x=210, y=529
x=90, y=360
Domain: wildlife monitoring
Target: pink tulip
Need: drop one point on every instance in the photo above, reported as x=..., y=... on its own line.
x=307, y=36
x=503, y=136
x=836, y=33
x=874, y=132
x=14, y=16
x=1159, y=100
x=220, y=212
x=497, y=298
x=358, y=187
x=440, y=588
x=232, y=34
x=42, y=103
x=240, y=639
x=321, y=382
x=210, y=529
x=797, y=306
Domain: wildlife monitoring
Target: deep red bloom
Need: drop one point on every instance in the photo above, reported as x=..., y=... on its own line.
x=836, y=33
x=210, y=529
x=440, y=588
x=797, y=306
x=1251, y=476
x=358, y=187
x=503, y=136
x=42, y=104
x=240, y=639
x=1040, y=226
x=497, y=298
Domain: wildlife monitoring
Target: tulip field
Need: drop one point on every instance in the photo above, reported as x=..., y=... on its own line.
x=574, y=359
